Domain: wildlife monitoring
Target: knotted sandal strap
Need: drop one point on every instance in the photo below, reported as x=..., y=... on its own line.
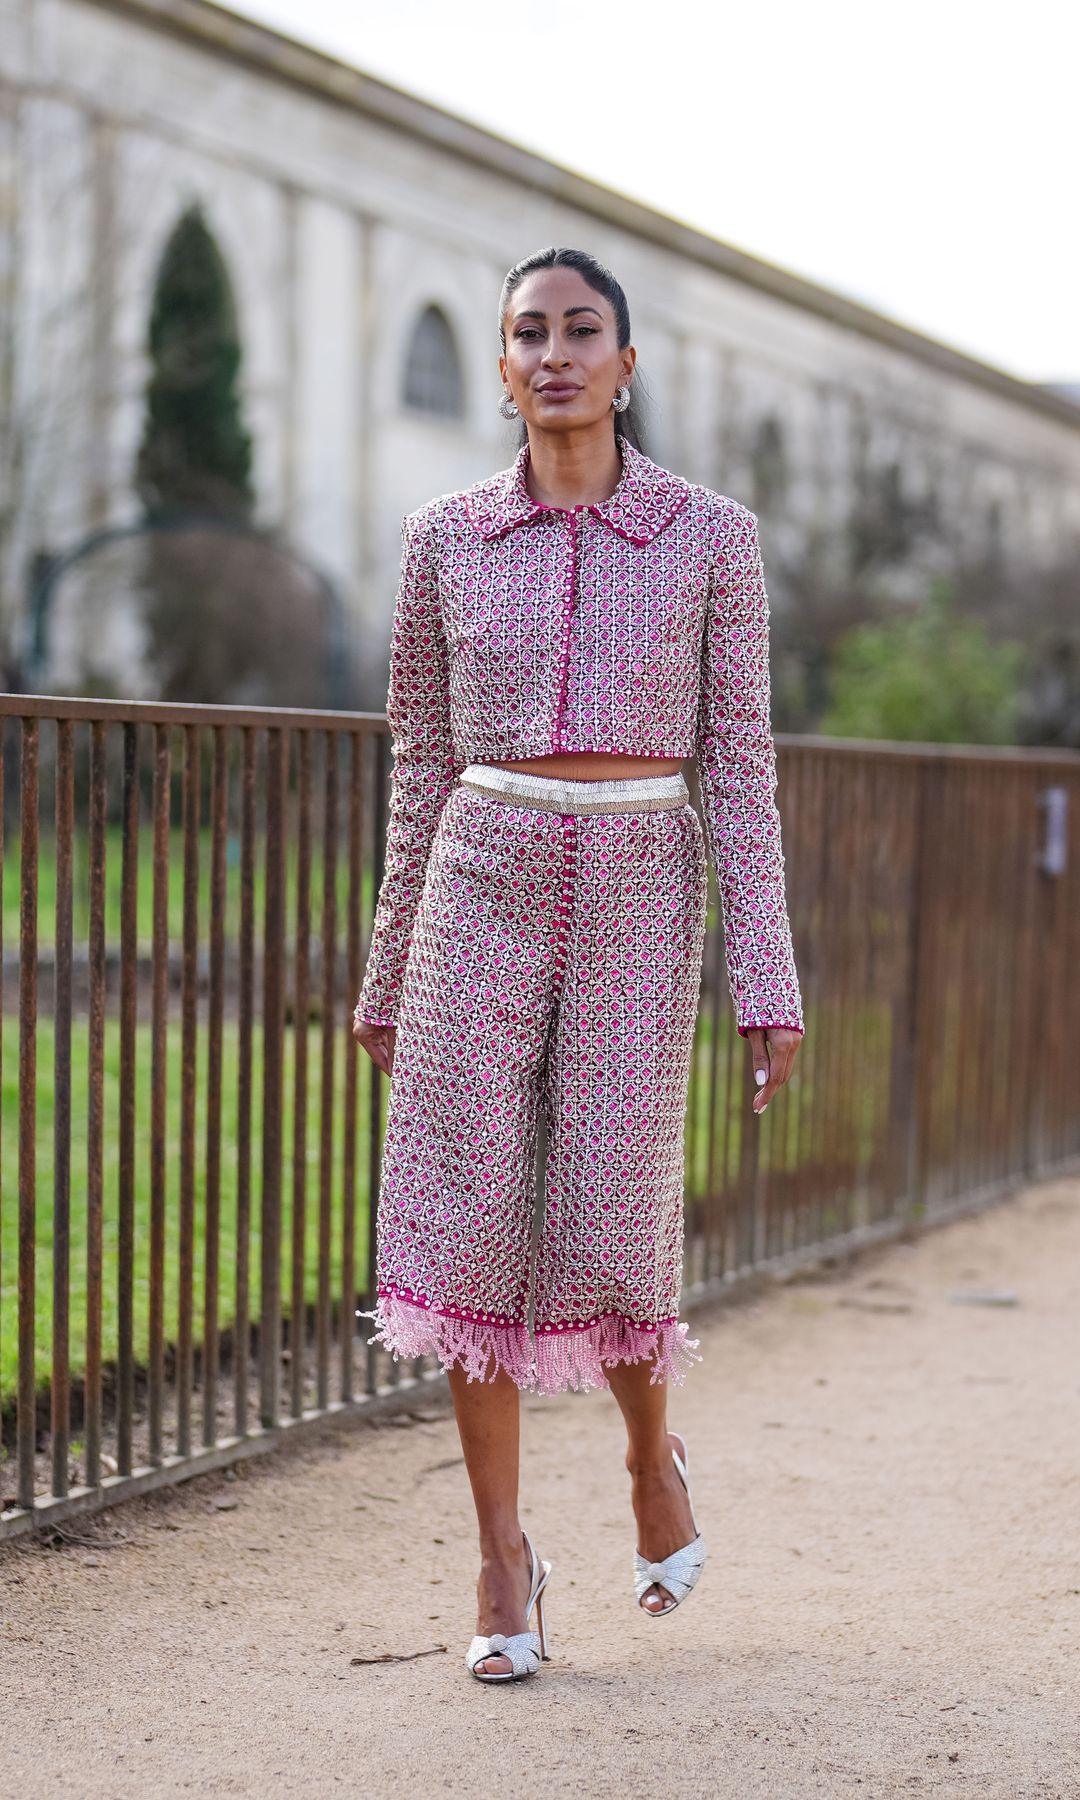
x=523, y=1650
x=677, y=1573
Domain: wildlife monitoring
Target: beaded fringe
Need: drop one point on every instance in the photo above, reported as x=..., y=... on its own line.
x=557, y=1361
x=409, y=1330
x=575, y=1359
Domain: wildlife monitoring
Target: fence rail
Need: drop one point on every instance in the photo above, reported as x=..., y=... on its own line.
x=189, y=1150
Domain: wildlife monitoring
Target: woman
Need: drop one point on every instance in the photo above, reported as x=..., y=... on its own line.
x=567, y=633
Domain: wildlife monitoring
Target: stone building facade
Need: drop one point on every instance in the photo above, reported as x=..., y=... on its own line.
x=367, y=234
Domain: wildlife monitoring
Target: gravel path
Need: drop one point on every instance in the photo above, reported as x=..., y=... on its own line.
x=889, y=1483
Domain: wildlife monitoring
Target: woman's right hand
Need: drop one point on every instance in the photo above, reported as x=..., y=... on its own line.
x=378, y=1041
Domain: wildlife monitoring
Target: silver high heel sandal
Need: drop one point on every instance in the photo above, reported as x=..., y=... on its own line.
x=679, y=1572
x=525, y=1649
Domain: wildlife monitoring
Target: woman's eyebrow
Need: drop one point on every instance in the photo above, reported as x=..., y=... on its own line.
x=532, y=312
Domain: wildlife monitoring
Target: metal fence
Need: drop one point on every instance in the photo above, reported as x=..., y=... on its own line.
x=189, y=1151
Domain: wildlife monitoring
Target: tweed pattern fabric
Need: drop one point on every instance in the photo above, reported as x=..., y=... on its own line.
x=638, y=625
x=555, y=963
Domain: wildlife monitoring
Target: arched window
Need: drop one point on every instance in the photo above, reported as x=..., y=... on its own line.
x=433, y=381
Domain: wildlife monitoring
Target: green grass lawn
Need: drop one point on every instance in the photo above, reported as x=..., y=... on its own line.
x=227, y=1258
x=46, y=885
x=858, y=1112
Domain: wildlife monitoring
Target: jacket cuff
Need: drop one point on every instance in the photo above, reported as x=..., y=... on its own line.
x=363, y=1017
x=773, y=1025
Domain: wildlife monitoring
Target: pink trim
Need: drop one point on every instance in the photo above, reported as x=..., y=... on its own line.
x=745, y=1030
x=502, y=502
x=493, y=755
x=562, y=1356
x=567, y=871
x=470, y=1315
x=568, y=606
x=586, y=1325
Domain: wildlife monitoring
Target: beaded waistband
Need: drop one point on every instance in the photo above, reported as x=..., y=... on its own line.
x=558, y=793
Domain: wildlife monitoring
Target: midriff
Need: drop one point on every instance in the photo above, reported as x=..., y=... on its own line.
x=596, y=765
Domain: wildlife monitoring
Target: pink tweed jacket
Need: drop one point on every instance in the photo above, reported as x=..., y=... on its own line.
x=638, y=625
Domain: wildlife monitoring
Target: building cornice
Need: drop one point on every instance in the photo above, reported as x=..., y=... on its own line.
x=272, y=54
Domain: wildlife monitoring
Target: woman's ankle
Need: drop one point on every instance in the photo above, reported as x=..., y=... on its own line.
x=502, y=1546
x=650, y=1460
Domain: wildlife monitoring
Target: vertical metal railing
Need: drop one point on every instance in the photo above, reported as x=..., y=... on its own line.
x=187, y=1190
x=211, y=1350
x=184, y=1220
x=26, y=1418
x=95, y=1120
x=938, y=954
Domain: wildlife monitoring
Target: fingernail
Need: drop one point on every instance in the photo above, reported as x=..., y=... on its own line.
x=761, y=1076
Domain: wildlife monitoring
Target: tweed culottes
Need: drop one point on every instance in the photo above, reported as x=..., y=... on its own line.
x=554, y=967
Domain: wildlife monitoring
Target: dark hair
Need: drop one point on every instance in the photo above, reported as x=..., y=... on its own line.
x=628, y=424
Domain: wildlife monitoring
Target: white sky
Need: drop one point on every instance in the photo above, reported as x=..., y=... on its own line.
x=921, y=158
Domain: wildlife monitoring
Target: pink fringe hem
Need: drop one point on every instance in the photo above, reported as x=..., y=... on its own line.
x=408, y=1329
x=575, y=1359
x=549, y=1364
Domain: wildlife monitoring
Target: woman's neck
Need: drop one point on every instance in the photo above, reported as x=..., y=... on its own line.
x=573, y=468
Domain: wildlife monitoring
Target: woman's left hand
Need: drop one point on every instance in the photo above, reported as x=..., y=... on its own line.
x=773, y=1049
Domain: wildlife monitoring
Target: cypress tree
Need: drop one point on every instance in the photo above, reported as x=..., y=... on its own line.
x=195, y=453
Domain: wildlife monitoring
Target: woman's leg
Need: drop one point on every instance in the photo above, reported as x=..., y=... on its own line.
x=661, y=1504
x=488, y=1417
x=457, y=1186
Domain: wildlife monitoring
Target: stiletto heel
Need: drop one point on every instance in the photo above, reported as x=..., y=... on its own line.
x=524, y=1649
x=679, y=1572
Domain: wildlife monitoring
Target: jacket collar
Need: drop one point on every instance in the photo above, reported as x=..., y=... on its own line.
x=645, y=501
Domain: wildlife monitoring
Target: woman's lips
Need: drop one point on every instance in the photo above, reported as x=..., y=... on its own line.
x=558, y=393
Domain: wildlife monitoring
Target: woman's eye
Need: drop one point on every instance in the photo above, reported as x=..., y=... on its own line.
x=528, y=331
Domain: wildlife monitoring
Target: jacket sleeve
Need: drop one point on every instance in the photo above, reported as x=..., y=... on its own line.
x=736, y=764
x=424, y=770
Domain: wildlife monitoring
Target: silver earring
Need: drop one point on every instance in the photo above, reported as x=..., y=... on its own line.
x=508, y=407
x=622, y=399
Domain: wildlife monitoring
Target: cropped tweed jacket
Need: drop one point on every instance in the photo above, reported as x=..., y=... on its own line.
x=637, y=625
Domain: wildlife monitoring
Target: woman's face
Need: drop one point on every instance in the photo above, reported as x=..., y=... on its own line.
x=562, y=363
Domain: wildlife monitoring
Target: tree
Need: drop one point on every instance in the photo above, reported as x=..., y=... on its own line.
x=195, y=454
x=932, y=677
x=223, y=609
